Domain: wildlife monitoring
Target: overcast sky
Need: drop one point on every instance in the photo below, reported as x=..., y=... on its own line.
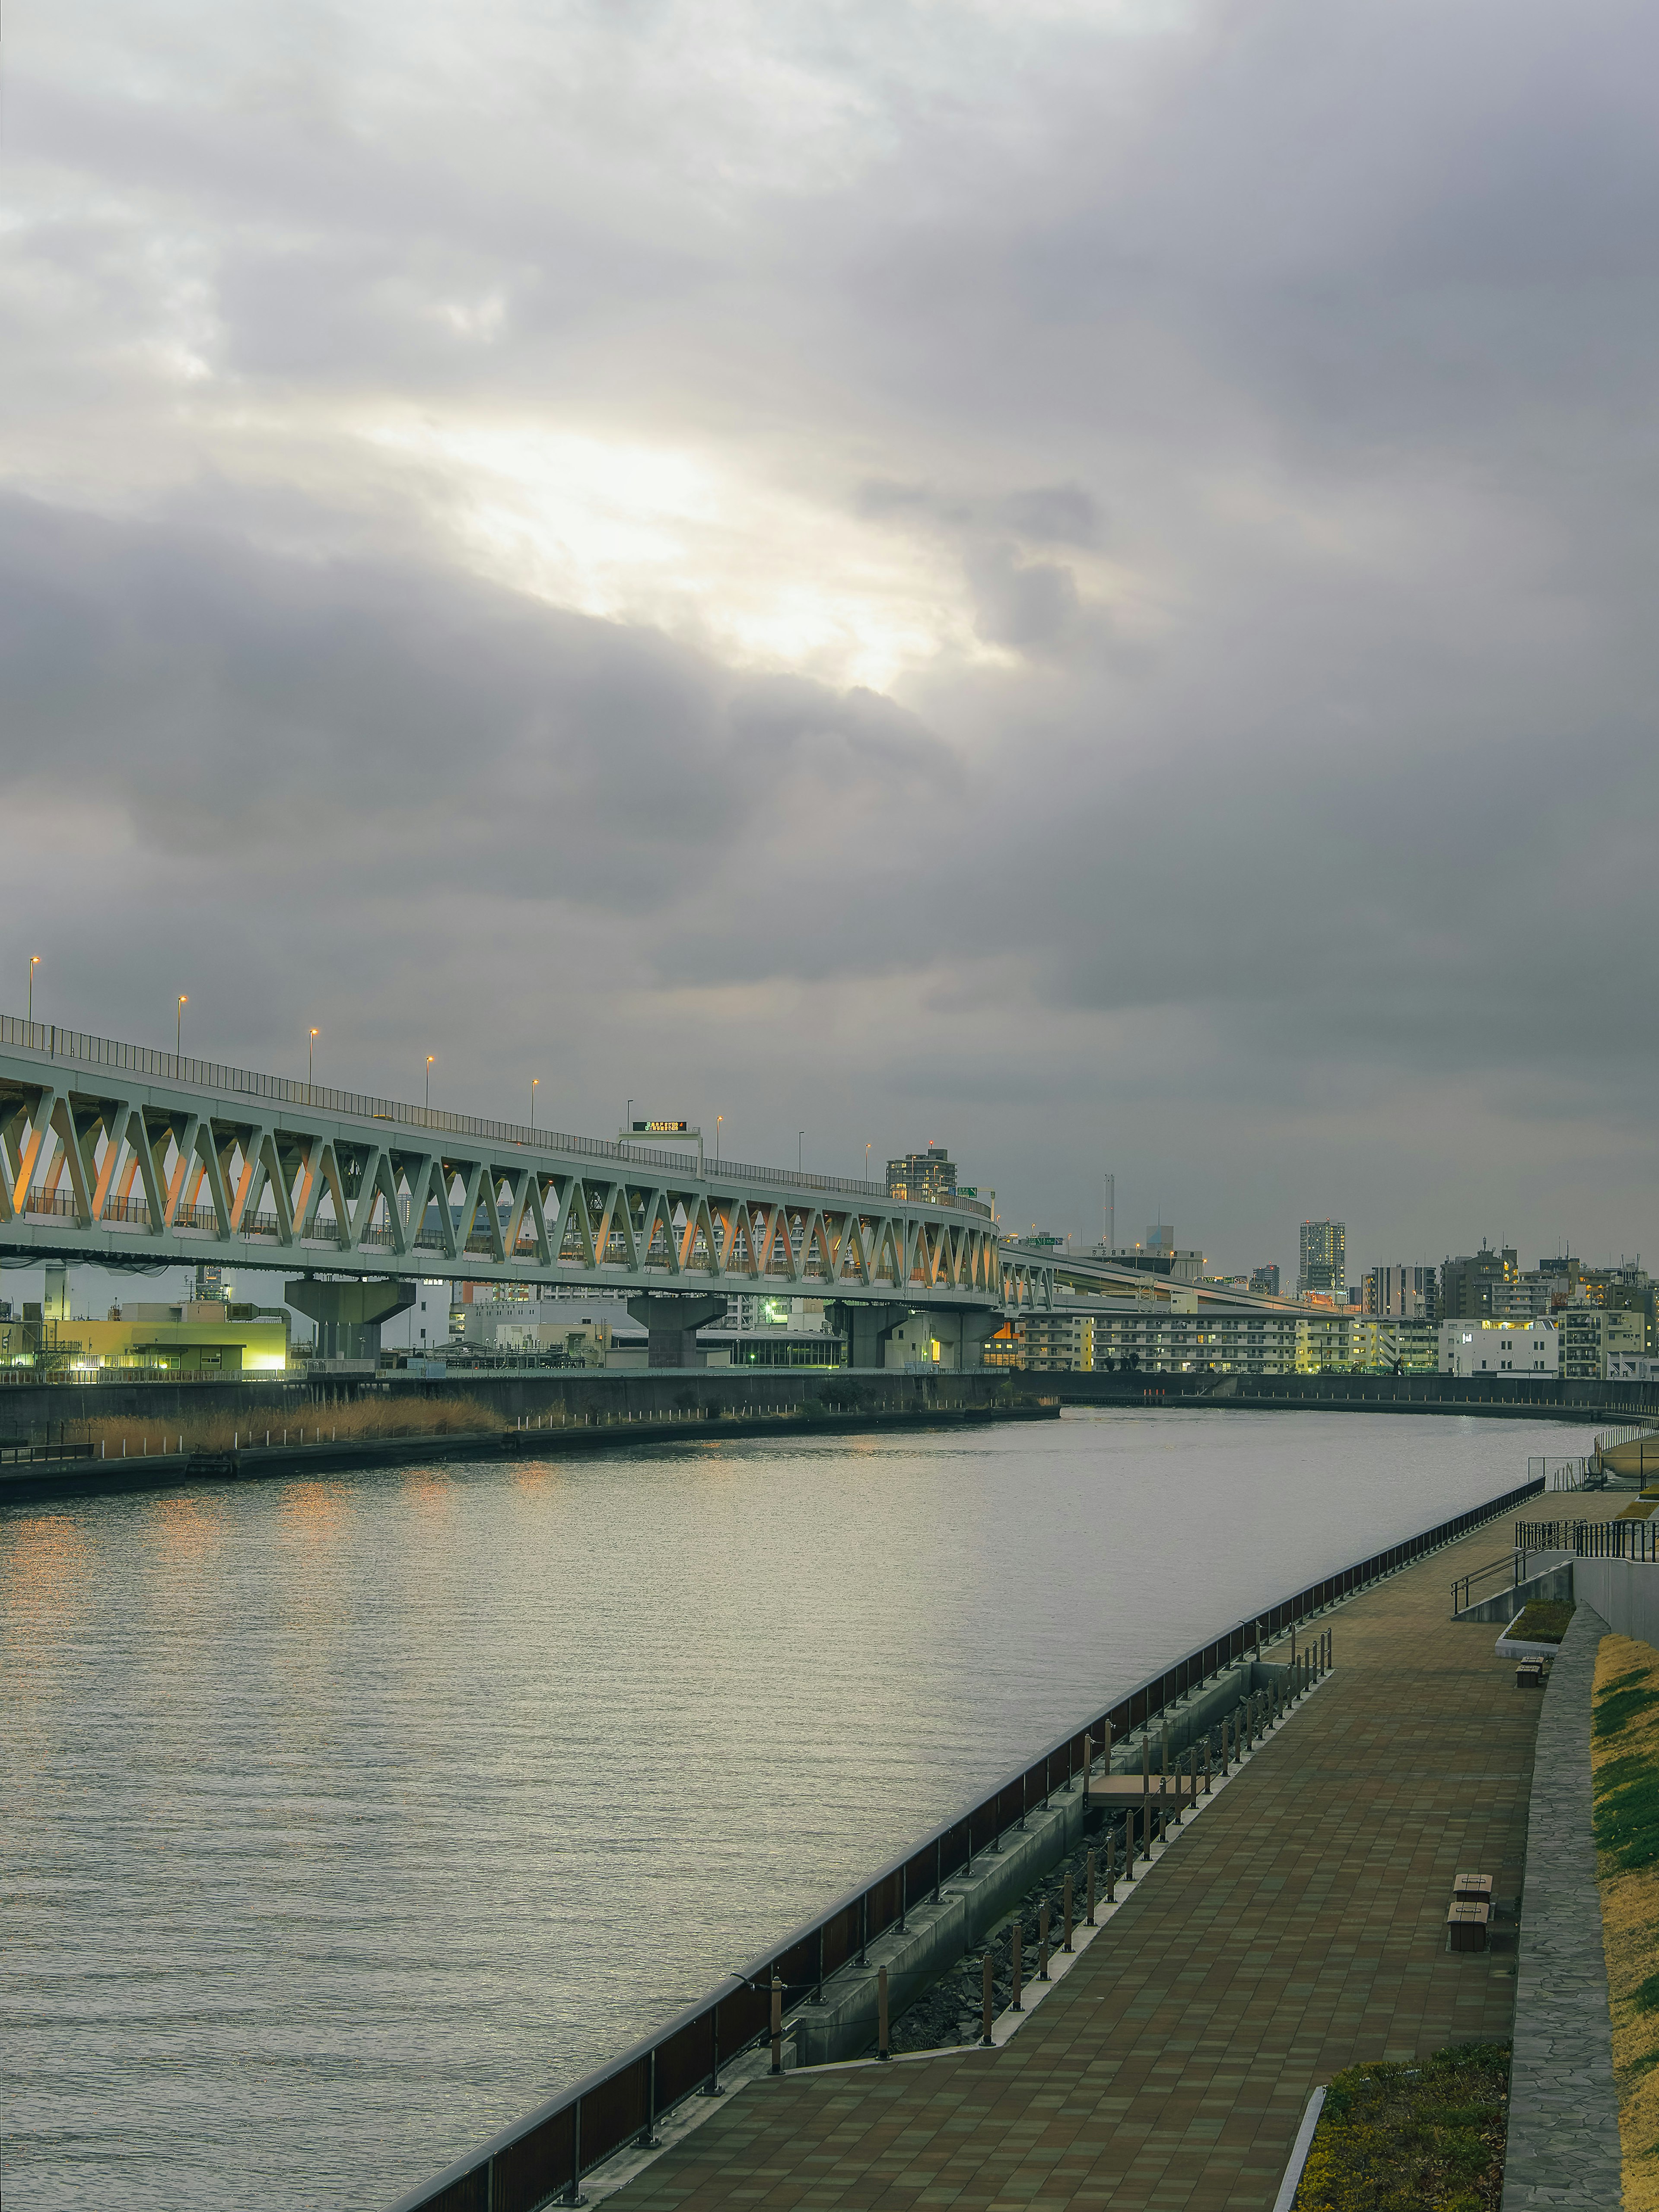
x=1076, y=581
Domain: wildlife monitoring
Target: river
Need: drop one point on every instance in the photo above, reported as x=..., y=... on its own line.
x=347, y=1817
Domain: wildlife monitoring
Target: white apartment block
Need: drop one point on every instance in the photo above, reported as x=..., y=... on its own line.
x=1495, y=1348
x=1059, y=1342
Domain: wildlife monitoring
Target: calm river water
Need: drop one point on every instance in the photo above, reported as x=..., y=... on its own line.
x=346, y=1819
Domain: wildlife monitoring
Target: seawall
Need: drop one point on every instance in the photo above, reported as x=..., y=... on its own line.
x=1521, y=1397
x=256, y=1460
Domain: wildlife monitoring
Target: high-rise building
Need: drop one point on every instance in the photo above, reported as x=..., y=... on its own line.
x=929, y=1176
x=1324, y=1266
x=1265, y=1281
x=1402, y=1294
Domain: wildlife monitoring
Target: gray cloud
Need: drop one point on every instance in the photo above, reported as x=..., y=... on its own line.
x=1274, y=398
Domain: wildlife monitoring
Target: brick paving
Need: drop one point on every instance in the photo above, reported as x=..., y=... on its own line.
x=1298, y=1926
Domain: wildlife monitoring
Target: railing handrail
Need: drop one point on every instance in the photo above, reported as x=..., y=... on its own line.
x=1244, y=1636
x=79, y=1046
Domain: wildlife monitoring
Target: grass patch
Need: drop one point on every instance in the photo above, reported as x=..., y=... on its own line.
x=1544, y=1621
x=1625, y=1759
x=1424, y=2138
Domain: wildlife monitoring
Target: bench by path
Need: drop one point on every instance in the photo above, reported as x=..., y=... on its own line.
x=1298, y=1926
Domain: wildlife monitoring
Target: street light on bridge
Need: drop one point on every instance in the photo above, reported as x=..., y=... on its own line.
x=718, y=1118
x=34, y=962
x=534, y=1080
x=429, y=1059
x=311, y=1046
x=179, y=1026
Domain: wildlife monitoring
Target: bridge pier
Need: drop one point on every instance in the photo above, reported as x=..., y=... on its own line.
x=865, y=1328
x=671, y=1319
x=962, y=1337
x=349, y=1315
x=869, y=1328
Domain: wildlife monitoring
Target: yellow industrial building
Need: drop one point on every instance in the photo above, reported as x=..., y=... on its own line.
x=194, y=1337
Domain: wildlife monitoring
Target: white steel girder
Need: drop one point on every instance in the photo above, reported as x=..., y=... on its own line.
x=142, y=1164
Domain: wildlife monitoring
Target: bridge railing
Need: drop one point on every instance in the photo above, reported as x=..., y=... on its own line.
x=77, y=1046
x=547, y=2153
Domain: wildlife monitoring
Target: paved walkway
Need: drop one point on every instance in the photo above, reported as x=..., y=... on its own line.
x=1298, y=1926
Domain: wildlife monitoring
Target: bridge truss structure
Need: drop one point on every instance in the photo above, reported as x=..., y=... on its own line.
x=119, y=1157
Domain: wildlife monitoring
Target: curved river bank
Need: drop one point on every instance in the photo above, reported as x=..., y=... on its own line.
x=351, y=1816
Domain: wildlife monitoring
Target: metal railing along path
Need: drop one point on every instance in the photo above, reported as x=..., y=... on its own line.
x=1590, y=1540
x=541, y=2158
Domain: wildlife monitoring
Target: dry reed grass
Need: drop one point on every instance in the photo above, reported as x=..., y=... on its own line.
x=362, y=1419
x=1626, y=1747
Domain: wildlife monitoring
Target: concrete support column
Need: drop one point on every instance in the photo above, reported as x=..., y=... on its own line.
x=349, y=1315
x=962, y=1337
x=671, y=1319
x=865, y=1327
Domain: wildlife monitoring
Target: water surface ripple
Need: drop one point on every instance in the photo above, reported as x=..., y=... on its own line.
x=348, y=1818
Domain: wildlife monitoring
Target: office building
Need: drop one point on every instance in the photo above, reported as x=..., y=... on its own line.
x=1264, y=1281
x=194, y=1336
x=1324, y=1265
x=927, y=1177
x=1402, y=1294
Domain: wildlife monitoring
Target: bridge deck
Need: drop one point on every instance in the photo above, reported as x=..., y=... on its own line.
x=1298, y=1926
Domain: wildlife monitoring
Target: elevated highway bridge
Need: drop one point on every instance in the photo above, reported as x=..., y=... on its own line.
x=126, y=1159
x=117, y=1155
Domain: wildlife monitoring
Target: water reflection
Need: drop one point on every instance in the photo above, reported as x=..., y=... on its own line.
x=355, y=1815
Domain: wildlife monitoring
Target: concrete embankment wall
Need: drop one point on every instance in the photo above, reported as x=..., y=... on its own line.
x=576, y=1392
x=938, y=1932
x=267, y=1452
x=1523, y=1397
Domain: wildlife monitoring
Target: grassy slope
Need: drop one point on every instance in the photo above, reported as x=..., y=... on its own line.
x=1625, y=1753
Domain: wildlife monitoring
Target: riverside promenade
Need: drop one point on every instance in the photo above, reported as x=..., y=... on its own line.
x=1297, y=1926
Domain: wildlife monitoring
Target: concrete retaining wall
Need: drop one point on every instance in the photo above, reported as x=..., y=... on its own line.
x=842, y=2022
x=1624, y=1592
x=1554, y=1583
x=1563, y=2147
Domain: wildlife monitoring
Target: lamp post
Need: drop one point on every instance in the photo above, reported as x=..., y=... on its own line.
x=179, y=1026
x=311, y=1046
x=34, y=962
x=534, y=1080
x=866, y=1163
x=800, y=1139
x=429, y=1059
x=718, y=1118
